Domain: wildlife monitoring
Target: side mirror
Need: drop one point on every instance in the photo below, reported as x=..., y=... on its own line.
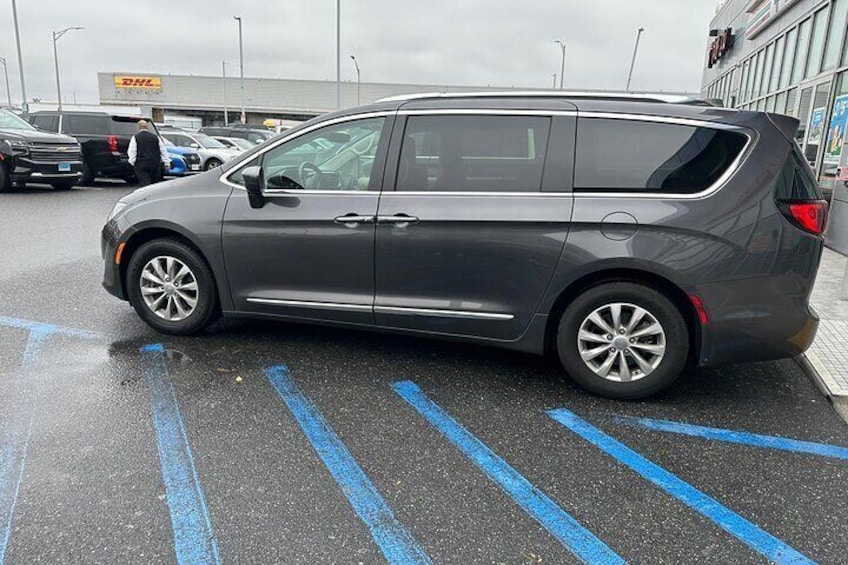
x=194, y=145
x=255, y=185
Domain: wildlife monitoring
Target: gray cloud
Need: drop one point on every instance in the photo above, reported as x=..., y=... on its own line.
x=467, y=42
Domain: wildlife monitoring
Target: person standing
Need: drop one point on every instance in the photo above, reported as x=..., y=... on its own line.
x=147, y=155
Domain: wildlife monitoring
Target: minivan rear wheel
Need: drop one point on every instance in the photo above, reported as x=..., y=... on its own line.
x=623, y=340
x=172, y=288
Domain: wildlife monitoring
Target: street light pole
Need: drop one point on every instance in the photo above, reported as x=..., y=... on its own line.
x=633, y=61
x=553, y=75
x=56, y=36
x=562, y=66
x=338, y=54
x=6, y=73
x=358, y=81
x=224, y=74
x=24, y=105
x=241, y=67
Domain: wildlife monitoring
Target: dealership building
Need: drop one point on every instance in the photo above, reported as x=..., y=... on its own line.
x=789, y=57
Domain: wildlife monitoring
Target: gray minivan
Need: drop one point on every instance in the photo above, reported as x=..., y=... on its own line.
x=626, y=234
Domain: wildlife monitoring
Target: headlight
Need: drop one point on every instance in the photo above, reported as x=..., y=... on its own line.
x=119, y=206
x=18, y=143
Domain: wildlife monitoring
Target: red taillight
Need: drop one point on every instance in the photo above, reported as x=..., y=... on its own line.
x=113, y=143
x=809, y=215
x=699, y=308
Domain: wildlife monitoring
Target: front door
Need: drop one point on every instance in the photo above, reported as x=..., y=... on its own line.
x=469, y=238
x=309, y=252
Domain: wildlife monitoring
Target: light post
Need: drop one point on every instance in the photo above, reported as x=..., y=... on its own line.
x=241, y=67
x=633, y=61
x=338, y=54
x=224, y=74
x=24, y=105
x=56, y=36
x=553, y=76
x=562, y=66
x=358, y=82
x=6, y=73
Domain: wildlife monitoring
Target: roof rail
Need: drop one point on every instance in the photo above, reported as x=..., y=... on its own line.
x=624, y=96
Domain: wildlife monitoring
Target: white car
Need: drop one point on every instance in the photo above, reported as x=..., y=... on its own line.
x=213, y=153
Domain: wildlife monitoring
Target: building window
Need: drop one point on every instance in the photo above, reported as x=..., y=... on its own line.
x=770, y=104
x=768, y=59
x=780, y=103
x=791, y=98
x=838, y=19
x=803, y=49
x=743, y=82
x=758, y=78
x=778, y=64
x=788, y=57
x=817, y=43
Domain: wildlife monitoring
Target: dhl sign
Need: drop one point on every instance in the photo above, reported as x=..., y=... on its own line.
x=145, y=83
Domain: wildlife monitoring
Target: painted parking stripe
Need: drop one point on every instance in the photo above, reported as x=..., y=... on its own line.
x=393, y=539
x=194, y=538
x=731, y=436
x=577, y=539
x=754, y=537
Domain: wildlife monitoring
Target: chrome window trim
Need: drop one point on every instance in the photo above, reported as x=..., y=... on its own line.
x=442, y=313
x=309, y=304
x=225, y=177
x=485, y=112
x=657, y=98
x=536, y=194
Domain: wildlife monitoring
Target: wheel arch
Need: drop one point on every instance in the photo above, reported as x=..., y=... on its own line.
x=658, y=282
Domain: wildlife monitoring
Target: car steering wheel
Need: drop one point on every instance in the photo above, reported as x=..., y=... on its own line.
x=308, y=171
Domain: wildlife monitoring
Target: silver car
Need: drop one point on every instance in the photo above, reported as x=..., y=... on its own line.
x=213, y=153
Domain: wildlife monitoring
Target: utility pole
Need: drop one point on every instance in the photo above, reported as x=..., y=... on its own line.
x=224, y=73
x=24, y=104
x=56, y=36
x=553, y=75
x=358, y=80
x=8, y=88
x=338, y=54
x=633, y=61
x=562, y=66
x=241, y=67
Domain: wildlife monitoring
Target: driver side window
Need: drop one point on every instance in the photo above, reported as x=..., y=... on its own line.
x=336, y=157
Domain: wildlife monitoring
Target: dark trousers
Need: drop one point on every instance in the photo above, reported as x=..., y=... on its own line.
x=148, y=174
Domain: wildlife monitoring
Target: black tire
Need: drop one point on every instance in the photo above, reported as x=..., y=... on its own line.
x=207, y=309
x=87, y=174
x=64, y=185
x=675, y=337
x=213, y=163
x=5, y=180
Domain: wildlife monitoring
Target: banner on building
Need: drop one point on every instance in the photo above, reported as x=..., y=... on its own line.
x=836, y=133
x=762, y=13
x=816, y=126
x=138, y=82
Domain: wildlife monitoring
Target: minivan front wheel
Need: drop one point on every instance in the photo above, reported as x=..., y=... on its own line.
x=623, y=340
x=171, y=287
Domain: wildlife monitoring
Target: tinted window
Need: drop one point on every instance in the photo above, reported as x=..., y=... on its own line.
x=796, y=180
x=651, y=157
x=80, y=124
x=46, y=122
x=473, y=153
x=128, y=127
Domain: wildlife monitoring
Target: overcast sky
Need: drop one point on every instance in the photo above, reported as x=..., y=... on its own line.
x=464, y=42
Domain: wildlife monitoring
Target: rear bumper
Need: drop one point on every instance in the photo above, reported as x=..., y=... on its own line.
x=757, y=320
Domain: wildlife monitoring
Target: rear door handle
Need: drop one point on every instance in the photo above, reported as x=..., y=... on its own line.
x=398, y=220
x=352, y=220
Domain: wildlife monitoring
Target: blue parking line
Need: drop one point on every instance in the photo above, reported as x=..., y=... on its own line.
x=577, y=539
x=47, y=329
x=194, y=539
x=731, y=436
x=393, y=539
x=13, y=455
x=757, y=539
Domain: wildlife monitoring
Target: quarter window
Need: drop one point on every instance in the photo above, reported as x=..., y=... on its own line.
x=636, y=156
x=473, y=153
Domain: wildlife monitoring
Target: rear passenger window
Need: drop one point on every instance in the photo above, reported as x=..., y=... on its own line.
x=46, y=122
x=796, y=180
x=637, y=156
x=473, y=153
x=80, y=124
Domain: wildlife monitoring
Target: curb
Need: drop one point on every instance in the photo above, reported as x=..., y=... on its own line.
x=824, y=381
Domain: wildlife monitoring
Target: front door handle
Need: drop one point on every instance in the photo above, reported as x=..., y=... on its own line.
x=352, y=220
x=398, y=220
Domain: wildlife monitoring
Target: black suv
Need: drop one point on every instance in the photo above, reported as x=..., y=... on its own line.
x=105, y=139
x=29, y=155
x=626, y=235
x=254, y=134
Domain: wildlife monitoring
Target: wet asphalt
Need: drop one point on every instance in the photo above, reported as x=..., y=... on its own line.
x=93, y=487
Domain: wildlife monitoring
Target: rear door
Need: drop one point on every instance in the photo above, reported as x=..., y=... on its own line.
x=473, y=219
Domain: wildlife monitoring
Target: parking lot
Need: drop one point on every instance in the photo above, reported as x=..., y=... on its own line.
x=280, y=443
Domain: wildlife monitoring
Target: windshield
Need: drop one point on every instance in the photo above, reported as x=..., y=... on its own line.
x=207, y=142
x=242, y=143
x=8, y=120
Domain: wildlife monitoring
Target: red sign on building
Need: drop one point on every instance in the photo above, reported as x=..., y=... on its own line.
x=720, y=46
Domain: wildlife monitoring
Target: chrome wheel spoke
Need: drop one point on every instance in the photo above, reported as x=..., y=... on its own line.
x=147, y=275
x=593, y=353
x=596, y=319
x=623, y=368
x=178, y=278
x=638, y=316
x=615, y=310
x=169, y=268
x=191, y=302
x=151, y=290
x=162, y=289
x=592, y=337
x=604, y=369
x=650, y=348
x=653, y=329
x=646, y=367
x=158, y=302
x=181, y=311
x=192, y=286
x=160, y=271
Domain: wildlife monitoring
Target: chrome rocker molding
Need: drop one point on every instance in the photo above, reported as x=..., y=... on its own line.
x=383, y=309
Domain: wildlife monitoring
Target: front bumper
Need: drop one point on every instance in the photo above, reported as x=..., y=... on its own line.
x=110, y=238
x=26, y=169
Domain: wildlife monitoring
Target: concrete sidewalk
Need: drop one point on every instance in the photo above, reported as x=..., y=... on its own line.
x=828, y=355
